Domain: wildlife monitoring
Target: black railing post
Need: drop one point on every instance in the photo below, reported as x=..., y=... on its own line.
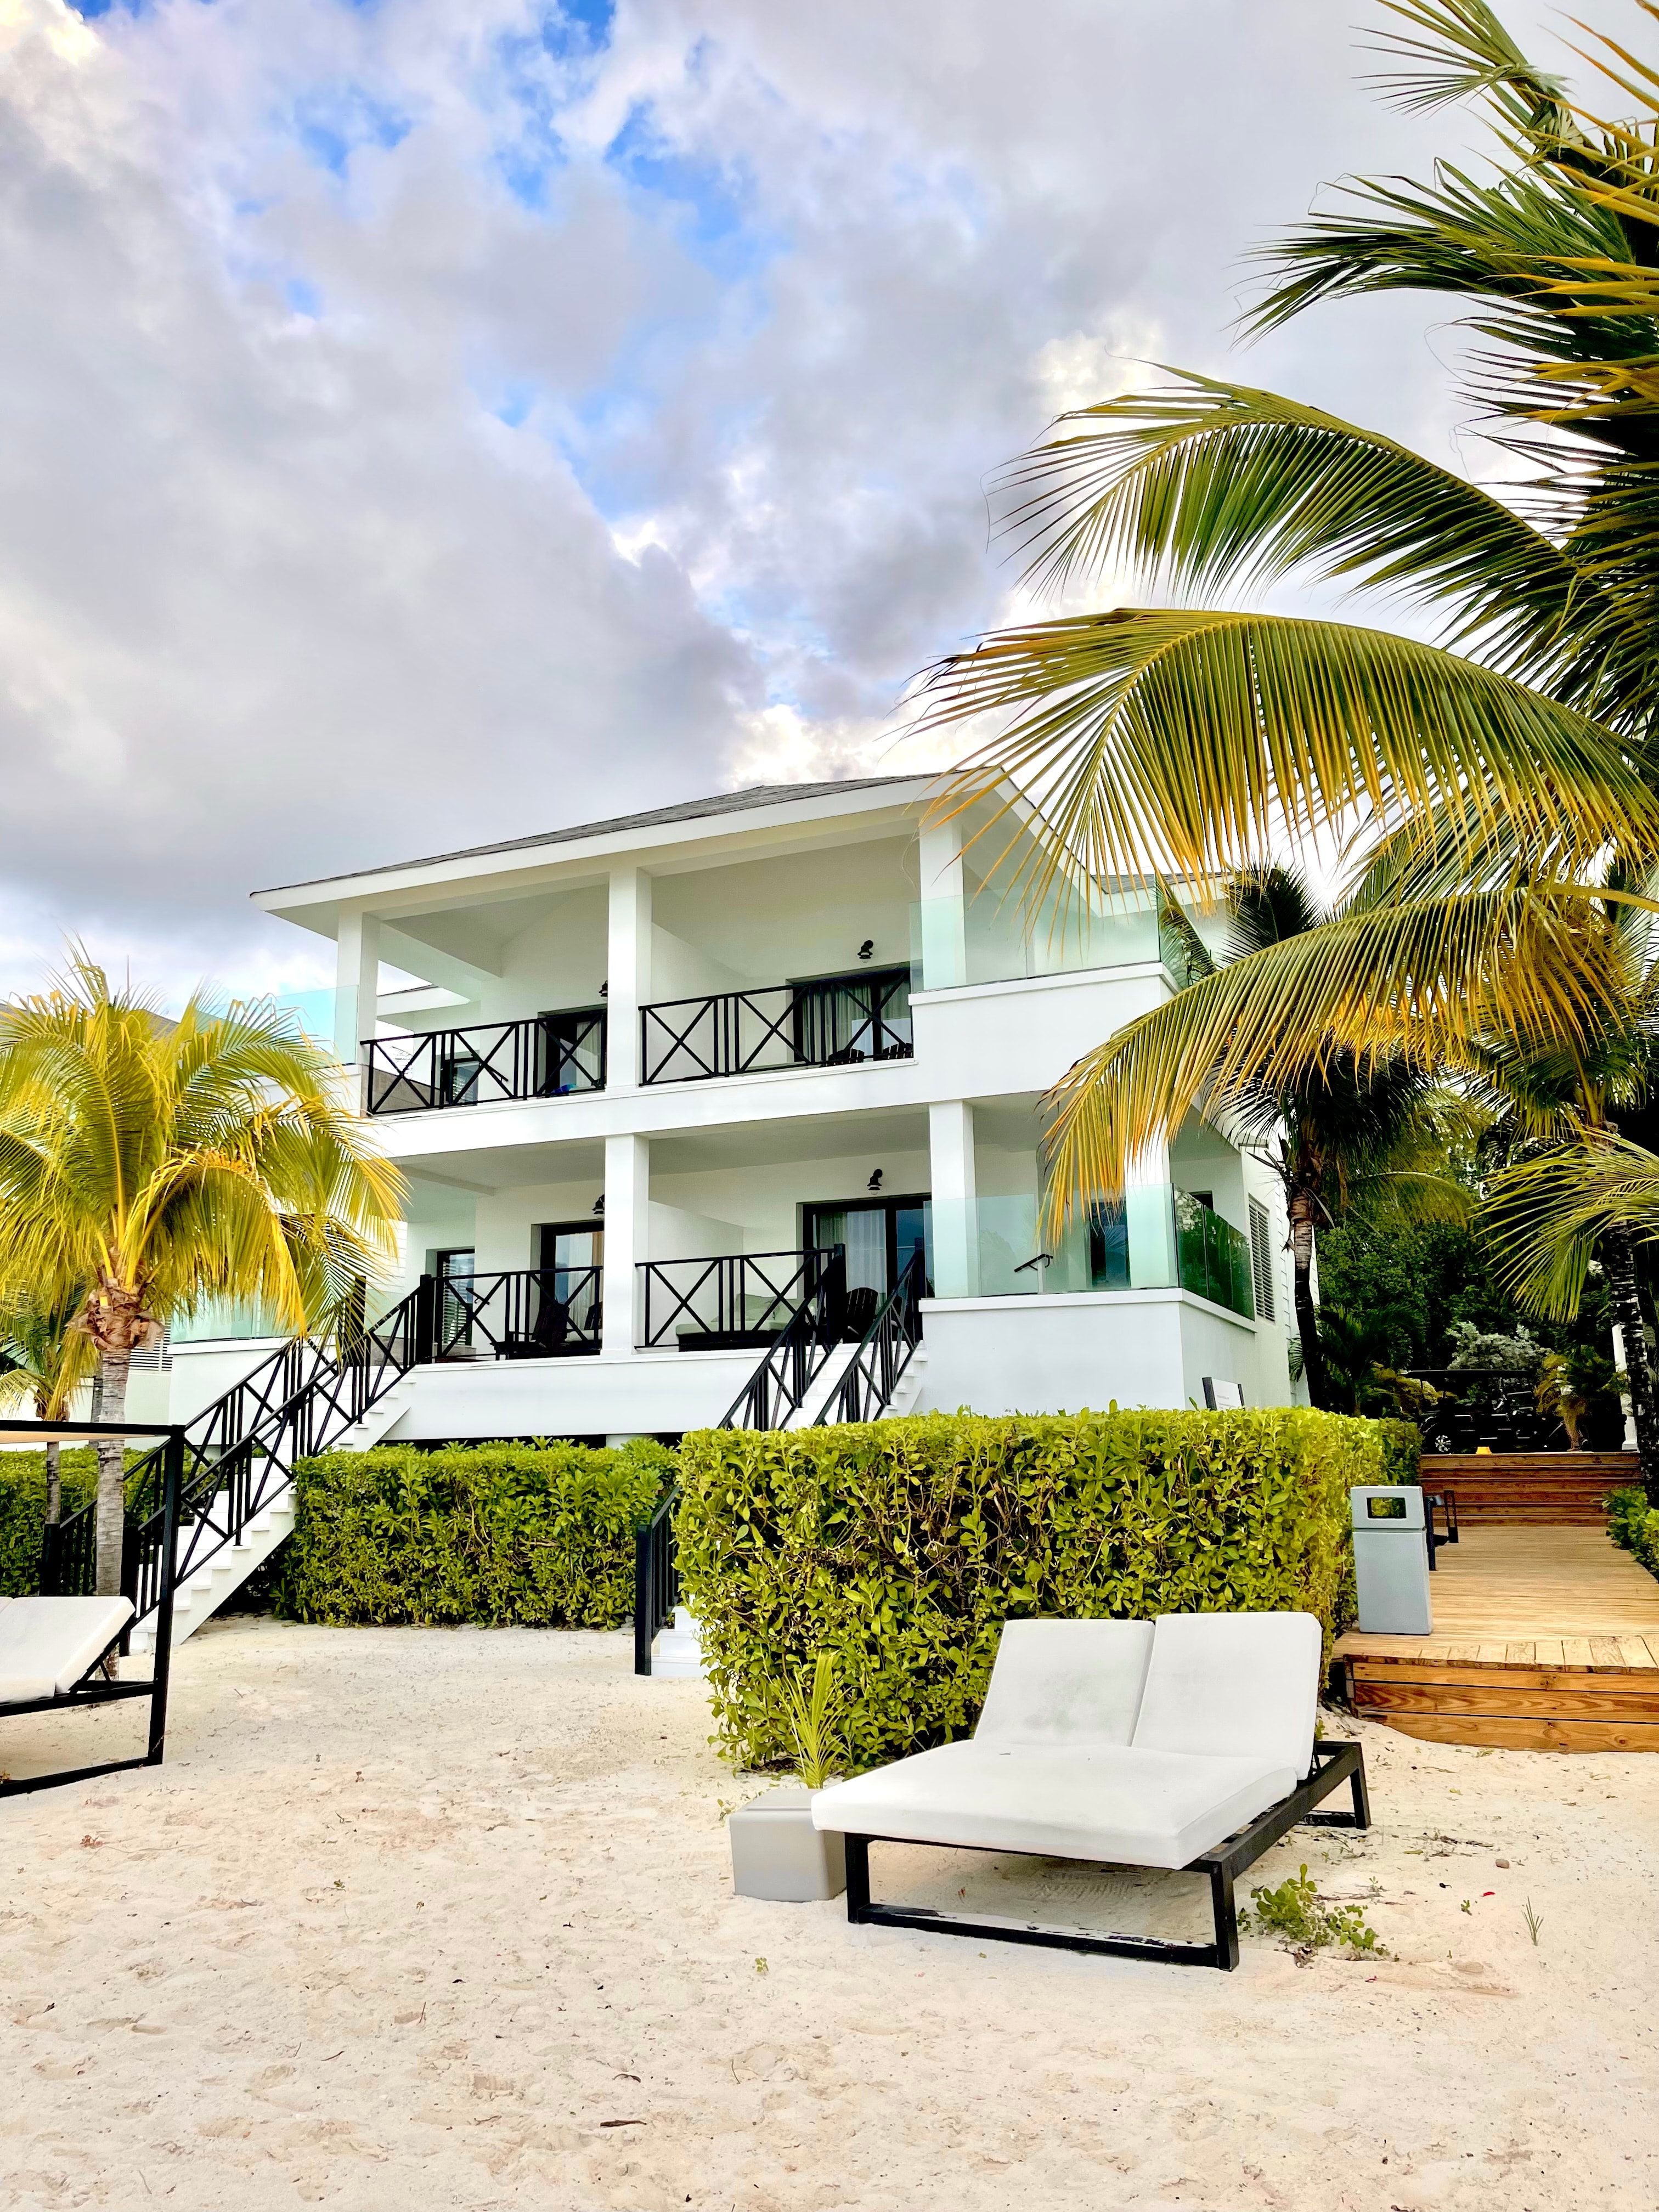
x=425, y=1329
x=172, y=1467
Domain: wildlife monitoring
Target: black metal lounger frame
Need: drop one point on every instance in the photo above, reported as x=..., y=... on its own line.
x=86, y=1691
x=1333, y=1763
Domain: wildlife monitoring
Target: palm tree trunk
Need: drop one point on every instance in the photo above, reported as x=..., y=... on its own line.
x=54, y=1486
x=113, y=1365
x=1620, y=1264
x=1307, y=1317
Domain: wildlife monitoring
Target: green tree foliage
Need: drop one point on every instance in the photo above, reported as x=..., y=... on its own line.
x=148, y=1166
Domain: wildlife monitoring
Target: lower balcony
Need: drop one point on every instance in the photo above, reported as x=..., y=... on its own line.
x=1155, y=1237
x=521, y=1313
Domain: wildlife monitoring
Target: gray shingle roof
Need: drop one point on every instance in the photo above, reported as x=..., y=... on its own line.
x=689, y=809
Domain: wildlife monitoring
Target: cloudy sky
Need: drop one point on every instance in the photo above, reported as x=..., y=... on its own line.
x=427, y=421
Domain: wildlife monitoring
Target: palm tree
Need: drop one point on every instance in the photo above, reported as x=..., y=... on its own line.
x=161, y=1165
x=1333, y=1126
x=47, y=1362
x=1498, y=759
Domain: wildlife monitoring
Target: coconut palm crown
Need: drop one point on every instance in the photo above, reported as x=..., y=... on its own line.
x=148, y=1166
x=1505, y=754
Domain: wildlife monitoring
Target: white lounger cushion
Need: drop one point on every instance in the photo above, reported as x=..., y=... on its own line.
x=1245, y=1685
x=47, y=1643
x=1111, y=1802
x=1066, y=1681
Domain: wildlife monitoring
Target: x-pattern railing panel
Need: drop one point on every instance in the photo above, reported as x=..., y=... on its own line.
x=732, y=1294
x=523, y=1313
x=544, y=1056
x=831, y=1020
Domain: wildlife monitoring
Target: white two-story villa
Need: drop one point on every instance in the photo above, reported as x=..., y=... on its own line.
x=683, y=1079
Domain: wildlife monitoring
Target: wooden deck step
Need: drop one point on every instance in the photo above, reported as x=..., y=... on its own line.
x=1544, y=1639
x=1531, y=1489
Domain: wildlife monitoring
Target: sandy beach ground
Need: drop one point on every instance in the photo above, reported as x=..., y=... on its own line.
x=416, y=1918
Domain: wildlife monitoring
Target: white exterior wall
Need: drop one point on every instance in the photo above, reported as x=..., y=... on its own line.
x=1061, y=1354
x=645, y=913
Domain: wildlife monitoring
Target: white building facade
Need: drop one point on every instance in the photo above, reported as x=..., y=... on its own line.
x=671, y=1077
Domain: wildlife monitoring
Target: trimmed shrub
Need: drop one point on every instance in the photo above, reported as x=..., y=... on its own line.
x=505, y=1534
x=1401, y=1446
x=1634, y=1524
x=901, y=1546
x=23, y=1509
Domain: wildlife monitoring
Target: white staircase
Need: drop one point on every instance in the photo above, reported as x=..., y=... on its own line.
x=201, y=1592
x=382, y=1416
x=676, y=1655
x=907, y=1389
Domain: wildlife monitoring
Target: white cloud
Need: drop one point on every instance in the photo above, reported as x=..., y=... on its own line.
x=385, y=464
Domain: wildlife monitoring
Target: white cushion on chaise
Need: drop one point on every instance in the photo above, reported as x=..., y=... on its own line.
x=47, y=1643
x=1137, y=1743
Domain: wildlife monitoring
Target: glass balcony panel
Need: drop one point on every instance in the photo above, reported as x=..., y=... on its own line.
x=989, y=939
x=1151, y=1238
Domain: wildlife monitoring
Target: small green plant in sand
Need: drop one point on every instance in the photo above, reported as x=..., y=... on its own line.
x=1534, y=1921
x=820, y=1751
x=1308, y=1922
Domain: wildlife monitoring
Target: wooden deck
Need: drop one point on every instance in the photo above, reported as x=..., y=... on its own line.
x=1546, y=1638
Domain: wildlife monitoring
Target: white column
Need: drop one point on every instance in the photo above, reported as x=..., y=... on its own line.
x=627, y=1238
x=357, y=979
x=1150, y=1219
x=628, y=975
x=1625, y=1398
x=955, y=1192
x=944, y=916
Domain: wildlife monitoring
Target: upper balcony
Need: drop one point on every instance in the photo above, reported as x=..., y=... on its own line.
x=548, y=1056
x=829, y=1021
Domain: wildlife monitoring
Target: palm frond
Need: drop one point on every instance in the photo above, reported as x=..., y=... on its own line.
x=1544, y=1217
x=1208, y=483
x=1418, y=986
x=1146, y=739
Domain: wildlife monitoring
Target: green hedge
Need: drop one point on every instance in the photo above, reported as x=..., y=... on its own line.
x=23, y=1509
x=902, y=1546
x=1634, y=1524
x=538, y=1536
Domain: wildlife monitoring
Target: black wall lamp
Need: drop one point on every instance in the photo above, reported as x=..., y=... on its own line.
x=867, y=949
x=874, y=1182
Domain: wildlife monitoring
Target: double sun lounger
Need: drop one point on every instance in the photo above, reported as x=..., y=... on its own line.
x=50, y=1648
x=1187, y=1742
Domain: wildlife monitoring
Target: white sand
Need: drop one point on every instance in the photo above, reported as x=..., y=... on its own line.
x=408, y=1915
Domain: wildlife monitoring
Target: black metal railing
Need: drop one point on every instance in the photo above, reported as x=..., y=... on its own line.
x=886, y=1350
x=777, y=1389
x=1494, y=1406
x=730, y=1302
x=547, y=1056
x=522, y=1313
x=830, y=1022
x=656, y=1577
x=238, y=1453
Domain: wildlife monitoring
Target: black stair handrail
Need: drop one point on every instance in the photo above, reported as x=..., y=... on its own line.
x=789, y=1369
x=886, y=1350
x=241, y=1449
x=656, y=1577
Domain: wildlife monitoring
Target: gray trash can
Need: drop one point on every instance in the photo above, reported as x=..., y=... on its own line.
x=1391, y=1560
